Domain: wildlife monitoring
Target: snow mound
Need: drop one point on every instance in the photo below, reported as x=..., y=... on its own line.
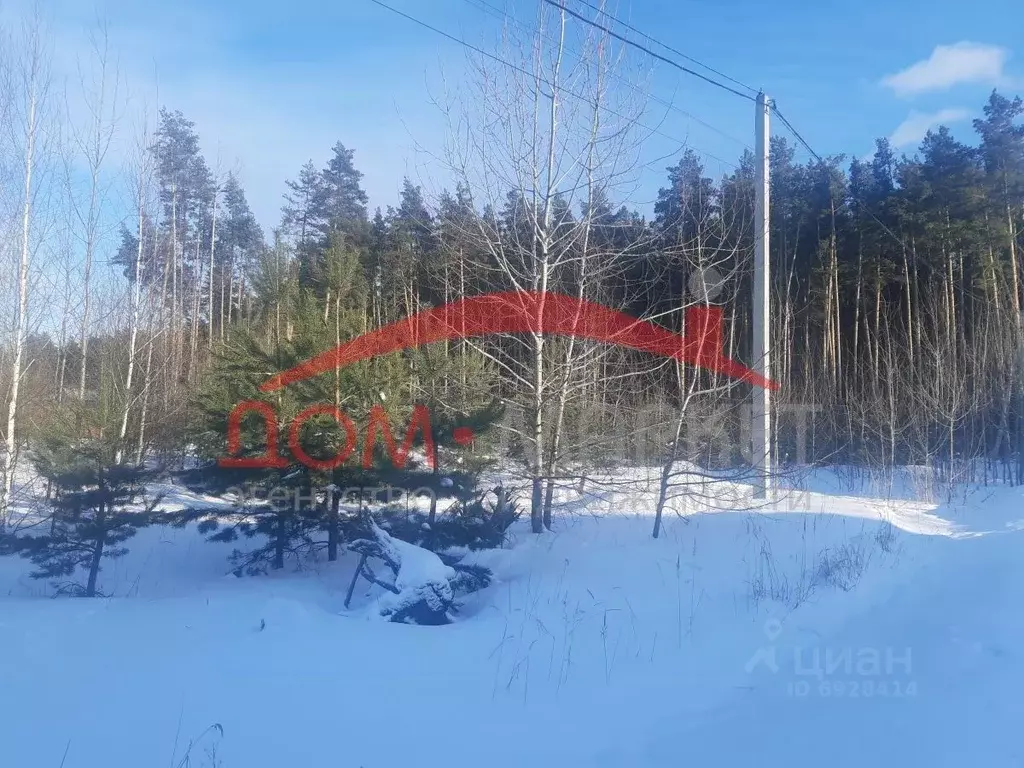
x=422, y=591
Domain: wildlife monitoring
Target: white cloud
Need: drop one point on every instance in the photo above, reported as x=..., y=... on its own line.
x=913, y=129
x=950, y=65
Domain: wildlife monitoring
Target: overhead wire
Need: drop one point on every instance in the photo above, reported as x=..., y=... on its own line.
x=772, y=105
x=667, y=47
x=885, y=227
x=648, y=51
x=521, y=70
x=794, y=131
x=496, y=12
x=559, y=5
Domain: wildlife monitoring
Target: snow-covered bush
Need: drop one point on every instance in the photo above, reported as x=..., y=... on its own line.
x=423, y=587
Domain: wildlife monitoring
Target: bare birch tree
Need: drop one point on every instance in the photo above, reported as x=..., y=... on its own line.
x=142, y=184
x=91, y=144
x=31, y=79
x=539, y=136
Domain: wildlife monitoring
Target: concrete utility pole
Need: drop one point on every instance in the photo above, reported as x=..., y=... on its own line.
x=761, y=420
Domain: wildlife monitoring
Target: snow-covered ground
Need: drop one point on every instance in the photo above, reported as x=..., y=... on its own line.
x=832, y=627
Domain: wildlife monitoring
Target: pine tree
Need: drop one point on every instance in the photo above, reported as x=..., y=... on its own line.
x=342, y=198
x=98, y=506
x=127, y=252
x=304, y=218
x=239, y=248
x=1002, y=151
x=299, y=505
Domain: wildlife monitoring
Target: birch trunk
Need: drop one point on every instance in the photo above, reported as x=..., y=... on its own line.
x=213, y=243
x=133, y=332
x=21, y=316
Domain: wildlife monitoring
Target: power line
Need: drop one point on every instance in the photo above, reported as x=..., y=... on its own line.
x=526, y=72
x=453, y=38
x=796, y=133
x=822, y=163
x=774, y=108
x=667, y=47
x=648, y=51
x=496, y=12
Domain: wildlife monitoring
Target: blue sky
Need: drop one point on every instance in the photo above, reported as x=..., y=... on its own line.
x=271, y=84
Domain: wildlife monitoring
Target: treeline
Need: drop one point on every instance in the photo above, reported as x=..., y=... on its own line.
x=900, y=284
x=896, y=296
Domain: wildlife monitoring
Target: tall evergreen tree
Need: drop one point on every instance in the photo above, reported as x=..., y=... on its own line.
x=342, y=198
x=304, y=216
